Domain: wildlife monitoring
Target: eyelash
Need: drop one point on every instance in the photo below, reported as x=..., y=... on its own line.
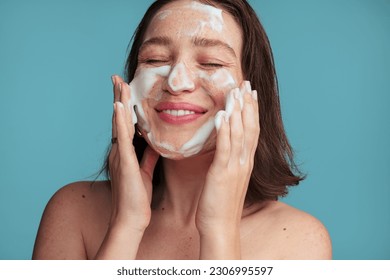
x=154, y=61
x=212, y=65
x=159, y=61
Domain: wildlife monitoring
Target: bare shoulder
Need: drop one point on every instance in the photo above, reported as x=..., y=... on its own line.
x=77, y=198
x=81, y=193
x=60, y=234
x=292, y=233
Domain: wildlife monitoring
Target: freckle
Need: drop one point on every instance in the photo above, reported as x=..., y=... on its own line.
x=163, y=208
x=284, y=228
x=83, y=196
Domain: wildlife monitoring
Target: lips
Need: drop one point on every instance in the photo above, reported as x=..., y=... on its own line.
x=179, y=113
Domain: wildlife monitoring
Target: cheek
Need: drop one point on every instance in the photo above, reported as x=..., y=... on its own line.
x=219, y=81
x=223, y=79
x=146, y=80
x=218, y=85
x=145, y=85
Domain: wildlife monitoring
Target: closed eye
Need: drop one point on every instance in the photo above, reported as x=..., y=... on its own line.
x=212, y=65
x=155, y=61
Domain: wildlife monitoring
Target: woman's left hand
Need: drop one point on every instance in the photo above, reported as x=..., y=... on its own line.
x=222, y=200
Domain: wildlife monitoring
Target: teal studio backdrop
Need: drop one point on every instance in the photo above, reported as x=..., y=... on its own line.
x=332, y=58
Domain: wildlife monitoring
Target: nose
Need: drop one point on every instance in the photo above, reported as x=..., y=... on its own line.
x=180, y=79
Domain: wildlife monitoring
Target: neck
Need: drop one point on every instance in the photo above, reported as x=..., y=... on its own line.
x=183, y=185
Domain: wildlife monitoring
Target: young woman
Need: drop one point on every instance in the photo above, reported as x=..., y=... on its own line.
x=199, y=174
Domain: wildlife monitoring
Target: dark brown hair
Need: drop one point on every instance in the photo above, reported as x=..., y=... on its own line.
x=274, y=168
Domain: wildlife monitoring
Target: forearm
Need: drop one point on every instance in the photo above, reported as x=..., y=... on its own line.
x=120, y=243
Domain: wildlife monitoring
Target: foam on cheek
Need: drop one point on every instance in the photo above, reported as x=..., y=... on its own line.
x=223, y=81
x=140, y=88
x=196, y=143
x=219, y=80
x=142, y=85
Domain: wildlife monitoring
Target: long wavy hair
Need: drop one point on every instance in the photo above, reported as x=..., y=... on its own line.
x=274, y=167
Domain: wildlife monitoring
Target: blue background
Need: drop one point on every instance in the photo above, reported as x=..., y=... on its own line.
x=332, y=57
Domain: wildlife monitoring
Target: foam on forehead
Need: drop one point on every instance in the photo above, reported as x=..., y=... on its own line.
x=211, y=17
x=214, y=15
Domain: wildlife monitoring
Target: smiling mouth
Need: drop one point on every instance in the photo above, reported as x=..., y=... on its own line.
x=179, y=113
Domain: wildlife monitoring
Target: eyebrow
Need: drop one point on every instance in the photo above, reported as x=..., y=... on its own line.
x=204, y=42
x=159, y=40
x=197, y=41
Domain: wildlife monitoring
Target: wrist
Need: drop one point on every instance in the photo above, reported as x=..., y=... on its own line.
x=120, y=242
x=220, y=245
x=133, y=226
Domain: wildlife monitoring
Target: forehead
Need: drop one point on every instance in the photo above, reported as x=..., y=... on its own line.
x=189, y=19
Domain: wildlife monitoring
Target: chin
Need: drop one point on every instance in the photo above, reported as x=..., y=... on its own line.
x=181, y=147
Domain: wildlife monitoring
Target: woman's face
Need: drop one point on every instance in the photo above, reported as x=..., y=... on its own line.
x=189, y=61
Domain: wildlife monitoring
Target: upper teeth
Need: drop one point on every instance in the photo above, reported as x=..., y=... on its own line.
x=179, y=112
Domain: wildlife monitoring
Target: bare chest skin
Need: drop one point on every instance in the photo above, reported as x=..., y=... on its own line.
x=171, y=240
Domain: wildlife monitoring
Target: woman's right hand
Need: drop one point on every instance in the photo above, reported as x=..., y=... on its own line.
x=131, y=182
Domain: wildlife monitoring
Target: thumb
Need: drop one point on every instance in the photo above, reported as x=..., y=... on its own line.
x=149, y=161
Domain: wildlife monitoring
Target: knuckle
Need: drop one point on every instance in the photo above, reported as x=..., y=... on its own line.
x=238, y=134
x=224, y=149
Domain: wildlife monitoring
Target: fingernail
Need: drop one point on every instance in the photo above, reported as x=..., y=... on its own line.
x=120, y=87
x=236, y=93
x=113, y=80
x=239, y=97
x=119, y=105
x=248, y=86
x=221, y=115
x=226, y=117
x=254, y=94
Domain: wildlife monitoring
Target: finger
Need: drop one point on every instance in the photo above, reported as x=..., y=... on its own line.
x=124, y=142
x=222, y=149
x=256, y=105
x=125, y=100
x=116, y=80
x=236, y=128
x=113, y=150
x=250, y=124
